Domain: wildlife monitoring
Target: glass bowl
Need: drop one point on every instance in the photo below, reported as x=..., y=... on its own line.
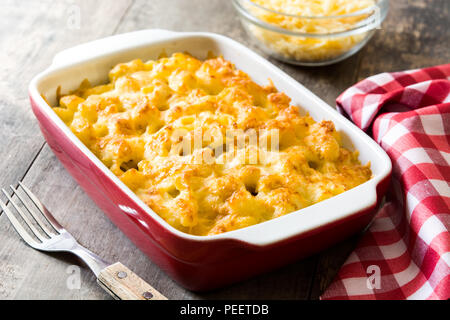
x=310, y=40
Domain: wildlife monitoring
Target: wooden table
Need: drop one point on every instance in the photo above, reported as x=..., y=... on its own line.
x=416, y=34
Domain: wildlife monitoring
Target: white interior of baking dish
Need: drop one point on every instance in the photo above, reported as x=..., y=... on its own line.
x=94, y=60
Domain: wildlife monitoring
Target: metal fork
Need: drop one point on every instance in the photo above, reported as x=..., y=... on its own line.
x=116, y=279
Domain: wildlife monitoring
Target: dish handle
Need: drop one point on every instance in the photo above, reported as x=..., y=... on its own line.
x=117, y=42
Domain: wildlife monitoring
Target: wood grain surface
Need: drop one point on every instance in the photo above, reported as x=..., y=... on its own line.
x=415, y=34
x=123, y=284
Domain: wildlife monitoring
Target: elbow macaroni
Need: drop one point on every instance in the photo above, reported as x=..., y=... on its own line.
x=129, y=124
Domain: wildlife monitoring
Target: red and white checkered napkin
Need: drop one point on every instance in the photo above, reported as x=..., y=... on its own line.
x=405, y=254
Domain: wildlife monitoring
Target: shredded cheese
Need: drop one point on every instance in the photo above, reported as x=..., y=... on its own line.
x=302, y=48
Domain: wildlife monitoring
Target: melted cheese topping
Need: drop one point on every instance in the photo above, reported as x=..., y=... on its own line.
x=129, y=124
x=308, y=48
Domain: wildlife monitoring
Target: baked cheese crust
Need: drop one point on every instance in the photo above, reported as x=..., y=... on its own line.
x=133, y=124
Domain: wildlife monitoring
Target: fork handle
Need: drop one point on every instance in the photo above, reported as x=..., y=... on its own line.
x=123, y=284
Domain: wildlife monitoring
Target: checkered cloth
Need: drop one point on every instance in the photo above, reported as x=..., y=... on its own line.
x=405, y=254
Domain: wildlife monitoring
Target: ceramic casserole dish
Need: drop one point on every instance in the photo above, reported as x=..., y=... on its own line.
x=204, y=262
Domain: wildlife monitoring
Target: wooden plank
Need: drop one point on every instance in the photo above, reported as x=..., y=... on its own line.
x=220, y=17
x=47, y=177
x=415, y=35
x=328, y=264
x=31, y=32
x=290, y=282
x=36, y=274
x=326, y=82
x=33, y=274
x=43, y=31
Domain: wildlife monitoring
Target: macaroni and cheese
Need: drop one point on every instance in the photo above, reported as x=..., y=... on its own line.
x=139, y=122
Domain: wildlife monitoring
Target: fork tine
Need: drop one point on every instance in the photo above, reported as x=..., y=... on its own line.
x=24, y=217
x=43, y=209
x=18, y=227
x=36, y=217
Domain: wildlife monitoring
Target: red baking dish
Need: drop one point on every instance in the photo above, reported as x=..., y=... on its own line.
x=203, y=263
